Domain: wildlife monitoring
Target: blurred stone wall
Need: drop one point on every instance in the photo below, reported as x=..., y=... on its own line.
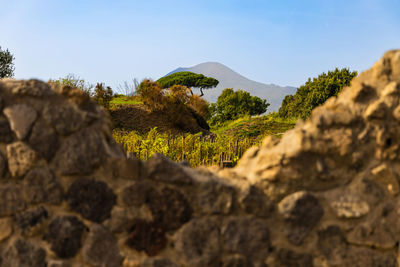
x=326, y=194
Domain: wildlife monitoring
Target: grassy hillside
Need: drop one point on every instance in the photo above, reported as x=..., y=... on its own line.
x=120, y=100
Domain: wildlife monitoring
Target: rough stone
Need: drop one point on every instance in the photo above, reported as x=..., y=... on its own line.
x=21, y=118
x=350, y=205
x=248, y=236
x=40, y=186
x=254, y=201
x=289, y=258
x=28, y=220
x=121, y=219
x=11, y=200
x=65, y=118
x=92, y=199
x=6, y=135
x=216, y=198
x=146, y=236
x=3, y=165
x=301, y=211
x=75, y=157
x=379, y=230
x=236, y=261
x=5, y=228
x=43, y=140
x=170, y=208
x=20, y=158
x=332, y=244
x=22, y=253
x=65, y=236
x=100, y=248
x=385, y=176
x=198, y=242
x=29, y=88
x=158, y=262
x=160, y=168
x=137, y=194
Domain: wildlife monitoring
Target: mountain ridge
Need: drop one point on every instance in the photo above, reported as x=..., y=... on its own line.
x=229, y=78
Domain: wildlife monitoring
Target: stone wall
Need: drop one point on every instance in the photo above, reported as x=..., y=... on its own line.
x=326, y=194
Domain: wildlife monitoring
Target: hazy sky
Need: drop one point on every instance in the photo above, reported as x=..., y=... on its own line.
x=281, y=42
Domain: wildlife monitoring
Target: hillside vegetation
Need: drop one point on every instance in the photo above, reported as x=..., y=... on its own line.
x=171, y=120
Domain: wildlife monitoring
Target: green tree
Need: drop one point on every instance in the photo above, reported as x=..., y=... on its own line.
x=188, y=79
x=6, y=64
x=232, y=105
x=315, y=92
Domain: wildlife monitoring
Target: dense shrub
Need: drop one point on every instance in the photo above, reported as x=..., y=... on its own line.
x=315, y=92
x=151, y=95
x=232, y=105
x=200, y=106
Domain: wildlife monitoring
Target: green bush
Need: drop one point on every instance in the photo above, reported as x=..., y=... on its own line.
x=232, y=105
x=315, y=92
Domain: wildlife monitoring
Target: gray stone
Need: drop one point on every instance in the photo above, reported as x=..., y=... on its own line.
x=100, y=248
x=158, y=262
x=22, y=253
x=236, y=261
x=332, y=244
x=6, y=135
x=121, y=219
x=289, y=258
x=65, y=236
x=92, y=199
x=246, y=235
x=40, y=186
x=380, y=230
x=21, y=118
x=198, y=242
x=160, y=168
x=3, y=165
x=20, y=158
x=364, y=257
x=349, y=205
x=30, y=219
x=5, y=228
x=75, y=157
x=65, y=118
x=214, y=197
x=169, y=208
x=30, y=88
x=301, y=212
x=11, y=200
x=58, y=263
x=138, y=193
x=44, y=140
x=255, y=202
x=146, y=236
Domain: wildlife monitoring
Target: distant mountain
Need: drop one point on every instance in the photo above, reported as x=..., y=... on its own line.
x=228, y=78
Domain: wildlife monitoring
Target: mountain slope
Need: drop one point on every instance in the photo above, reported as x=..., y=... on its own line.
x=230, y=79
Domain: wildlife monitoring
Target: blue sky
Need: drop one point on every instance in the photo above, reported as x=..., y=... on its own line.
x=281, y=42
